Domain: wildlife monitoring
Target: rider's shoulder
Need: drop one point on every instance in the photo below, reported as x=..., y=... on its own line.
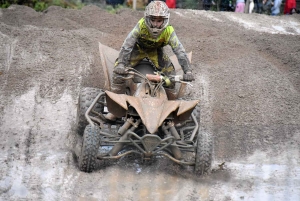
x=167, y=32
x=170, y=29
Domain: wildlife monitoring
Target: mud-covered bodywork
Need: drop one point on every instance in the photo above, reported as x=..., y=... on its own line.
x=147, y=120
x=152, y=111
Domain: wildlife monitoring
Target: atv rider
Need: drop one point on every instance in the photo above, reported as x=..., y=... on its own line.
x=147, y=40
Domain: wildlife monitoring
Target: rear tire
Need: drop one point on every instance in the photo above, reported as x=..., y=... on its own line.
x=86, y=97
x=197, y=113
x=204, y=151
x=90, y=147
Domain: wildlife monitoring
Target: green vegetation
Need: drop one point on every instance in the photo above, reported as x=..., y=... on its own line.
x=191, y=4
x=41, y=5
x=114, y=9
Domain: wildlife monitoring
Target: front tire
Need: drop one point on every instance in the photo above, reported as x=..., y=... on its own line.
x=203, y=160
x=90, y=147
x=86, y=98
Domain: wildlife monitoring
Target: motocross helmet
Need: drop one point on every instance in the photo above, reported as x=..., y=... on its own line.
x=157, y=9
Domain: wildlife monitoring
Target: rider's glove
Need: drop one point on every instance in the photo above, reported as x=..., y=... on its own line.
x=120, y=69
x=188, y=76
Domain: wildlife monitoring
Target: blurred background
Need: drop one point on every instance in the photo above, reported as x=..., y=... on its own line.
x=251, y=6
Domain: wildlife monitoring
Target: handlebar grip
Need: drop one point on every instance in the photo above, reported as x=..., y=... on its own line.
x=153, y=78
x=178, y=78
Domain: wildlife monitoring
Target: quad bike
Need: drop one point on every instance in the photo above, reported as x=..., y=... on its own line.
x=149, y=120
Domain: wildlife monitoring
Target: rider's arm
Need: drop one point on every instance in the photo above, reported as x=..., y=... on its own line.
x=179, y=51
x=126, y=49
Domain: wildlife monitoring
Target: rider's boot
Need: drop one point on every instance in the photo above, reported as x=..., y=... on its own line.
x=118, y=89
x=171, y=93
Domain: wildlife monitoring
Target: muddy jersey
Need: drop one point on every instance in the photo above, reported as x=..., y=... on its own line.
x=141, y=37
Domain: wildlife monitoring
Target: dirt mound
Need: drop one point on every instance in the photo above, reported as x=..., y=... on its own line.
x=247, y=78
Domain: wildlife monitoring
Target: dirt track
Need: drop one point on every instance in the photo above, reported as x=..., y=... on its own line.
x=248, y=80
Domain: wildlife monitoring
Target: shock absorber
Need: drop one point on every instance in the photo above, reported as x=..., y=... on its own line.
x=119, y=145
x=173, y=130
x=175, y=150
x=129, y=122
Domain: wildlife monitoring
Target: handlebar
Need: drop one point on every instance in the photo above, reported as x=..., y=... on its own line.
x=158, y=77
x=167, y=80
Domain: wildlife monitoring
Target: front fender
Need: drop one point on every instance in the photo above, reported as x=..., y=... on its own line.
x=153, y=111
